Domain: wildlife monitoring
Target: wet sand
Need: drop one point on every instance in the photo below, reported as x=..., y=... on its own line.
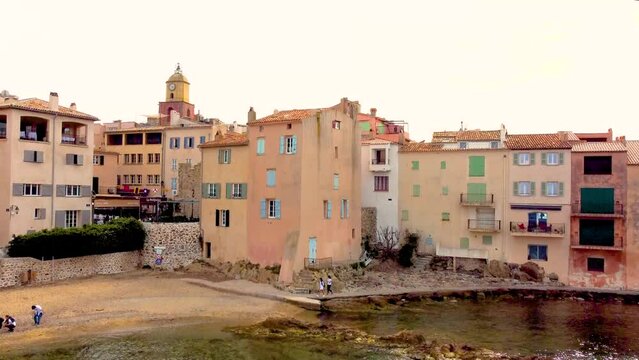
x=110, y=305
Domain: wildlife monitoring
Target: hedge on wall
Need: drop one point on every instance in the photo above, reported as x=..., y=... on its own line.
x=123, y=234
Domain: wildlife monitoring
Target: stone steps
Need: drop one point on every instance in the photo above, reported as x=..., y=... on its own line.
x=422, y=262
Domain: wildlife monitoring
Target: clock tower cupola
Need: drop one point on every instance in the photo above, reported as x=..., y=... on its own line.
x=177, y=98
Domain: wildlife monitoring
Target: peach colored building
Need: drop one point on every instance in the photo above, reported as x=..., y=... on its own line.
x=632, y=212
x=46, y=150
x=304, y=197
x=538, y=210
x=225, y=174
x=452, y=193
x=105, y=169
x=598, y=215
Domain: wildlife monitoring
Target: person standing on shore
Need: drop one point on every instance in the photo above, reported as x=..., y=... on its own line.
x=37, y=314
x=9, y=322
x=321, y=286
x=329, y=284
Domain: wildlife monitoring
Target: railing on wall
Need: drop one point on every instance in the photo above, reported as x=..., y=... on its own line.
x=601, y=209
x=318, y=264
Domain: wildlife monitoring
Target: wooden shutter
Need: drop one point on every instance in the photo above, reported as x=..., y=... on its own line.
x=329, y=209
x=561, y=158
x=43, y=213
x=532, y=188
x=476, y=166
x=18, y=189
x=244, y=190
x=229, y=157
x=516, y=188
x=561, y=189
x=217, y=190
x=69, y=158
x=101, y=157
x=59, y=218
x=282, y=140
x=80, y=160
x=220, y=156
x=263, y=209
x=515, y=159
x=277, y=209
x=85, y=191
x=217, y=217
x=60, y=190
x=228, y=218
x=543, y=188
x=46, y=190
x=294, y=144
x=532, y=158
x=29, y=156
x=404, y=215
x=229, y=189
x=85, y=217
x=205, y=190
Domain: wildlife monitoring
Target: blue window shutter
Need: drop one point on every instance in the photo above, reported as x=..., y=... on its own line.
x=263, y=209
x=277, y=209
x=294, y=144
x=171, y=143
x=282, y=144
x=329, y=209
x=270, y=178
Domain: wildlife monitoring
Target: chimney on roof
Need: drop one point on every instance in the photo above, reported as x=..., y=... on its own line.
x=609, y=135
x=53, y=101
x=251, y=115
x=563, y=136
x=275, y=111
x=73, y=107
x=373, y=111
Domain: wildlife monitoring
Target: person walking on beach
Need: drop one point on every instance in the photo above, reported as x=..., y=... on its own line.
x=37, y=314
x=321, y=286
x=9, y=322
x=329, y=284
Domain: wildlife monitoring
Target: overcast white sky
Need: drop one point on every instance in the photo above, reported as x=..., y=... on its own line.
x=534, y=65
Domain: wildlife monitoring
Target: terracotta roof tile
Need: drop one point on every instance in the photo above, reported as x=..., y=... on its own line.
x=421, y=147
x=479, y=135
x=633, y=152
x=375, y=141
x=610, y=146
x=38, y=105
x=466, y=135
x=286, y=116
x=536, y=141
x=229, y=139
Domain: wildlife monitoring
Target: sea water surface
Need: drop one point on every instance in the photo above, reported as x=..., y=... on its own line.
x=560, y=329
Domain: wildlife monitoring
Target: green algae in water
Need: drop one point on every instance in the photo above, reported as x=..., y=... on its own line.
x=146, y=347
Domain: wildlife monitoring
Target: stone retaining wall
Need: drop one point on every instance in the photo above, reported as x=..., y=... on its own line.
x=19, y=271
x=181, y=243
x=180, y=240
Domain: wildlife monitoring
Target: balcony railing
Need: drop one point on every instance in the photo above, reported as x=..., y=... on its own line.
x=74, y=140
x=542, y=229
x=318, y=264
x=379, y=165
x=597, y=210
x=484, y=225
x=470, y=199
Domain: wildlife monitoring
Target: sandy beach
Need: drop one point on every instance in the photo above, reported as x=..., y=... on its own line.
x=124, y=303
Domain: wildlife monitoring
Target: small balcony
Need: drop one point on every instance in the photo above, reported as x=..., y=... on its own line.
x=602, y=210
x=469, y=199
x=485, y=226
x=379, y=165
x=553, y=230
x=73, y=133
x=74, y=140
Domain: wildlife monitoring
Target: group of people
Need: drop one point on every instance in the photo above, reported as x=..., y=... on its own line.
x=328, y=285
x=10, y=322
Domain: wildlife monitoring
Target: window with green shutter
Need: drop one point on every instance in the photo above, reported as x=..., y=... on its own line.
x=445, y=190
x=476, y=193
x=445, y=216
x=415, y=165
x=487, y=240
x=416, y=190
x=464, y=243
x=442, y=165
x=404, y=215
x=476, y=165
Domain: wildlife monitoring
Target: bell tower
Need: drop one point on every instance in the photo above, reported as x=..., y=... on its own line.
x=177, y=98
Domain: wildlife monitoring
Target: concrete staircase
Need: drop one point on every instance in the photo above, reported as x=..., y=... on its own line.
x=422, y=262
x=305, y=283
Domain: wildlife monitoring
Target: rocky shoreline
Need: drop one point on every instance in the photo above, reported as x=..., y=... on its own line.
x=338, y=339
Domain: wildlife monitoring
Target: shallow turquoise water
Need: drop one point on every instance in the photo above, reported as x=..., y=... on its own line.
x=561, y=329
